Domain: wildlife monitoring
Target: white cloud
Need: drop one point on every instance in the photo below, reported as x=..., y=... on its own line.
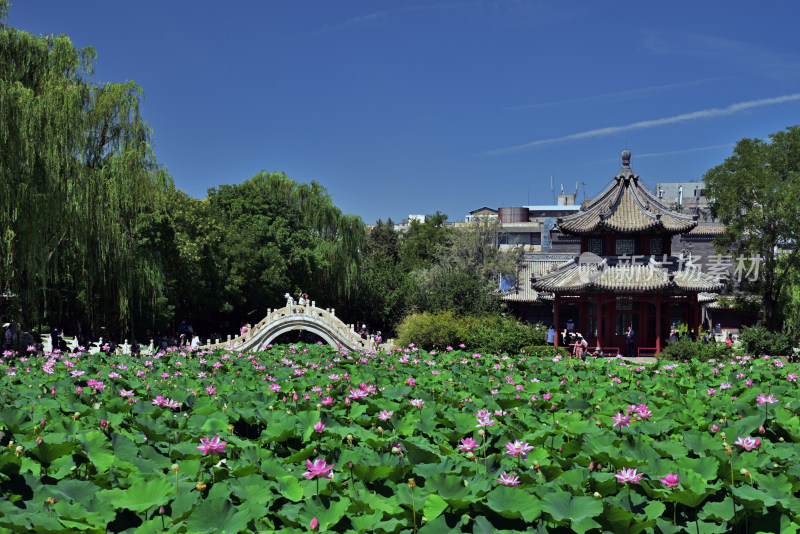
x=610, y=130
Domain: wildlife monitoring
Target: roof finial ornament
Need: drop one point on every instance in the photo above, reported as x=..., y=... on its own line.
x=626, y=158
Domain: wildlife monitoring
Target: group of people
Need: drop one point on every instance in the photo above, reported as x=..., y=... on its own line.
x=187, y=336
x=364, y=332
x=577, y=344
x=302, y=299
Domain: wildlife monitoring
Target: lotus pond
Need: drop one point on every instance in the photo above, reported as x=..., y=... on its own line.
x=301, y=438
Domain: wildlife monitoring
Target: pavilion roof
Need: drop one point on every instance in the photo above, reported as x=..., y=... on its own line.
x=617, y=275
x=523, y=291
x=626, y=206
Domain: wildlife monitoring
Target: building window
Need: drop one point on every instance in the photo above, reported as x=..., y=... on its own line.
x=536, y=239
x=596, y=245
x=656, y=246
x=624, y=303
x=515, y=238
x=625, y=246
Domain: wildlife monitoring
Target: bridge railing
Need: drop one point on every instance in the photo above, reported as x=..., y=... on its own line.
x=326, y=316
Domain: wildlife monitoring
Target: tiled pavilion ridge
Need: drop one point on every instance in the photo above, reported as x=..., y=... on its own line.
x=626, y=273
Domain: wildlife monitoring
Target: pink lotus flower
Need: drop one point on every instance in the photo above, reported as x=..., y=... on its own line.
x=417, y=403
x=714, y=428
x=211, y=446
x=313, y=526
x=748, y=443
x=670, y=481
x=629, y=475
x=621, y=420
x=711, y=392
x=319, y=427
x=318, y=469
x=484, y=419
x=766, y=399
x=509, y=480
x=467, y=445
x=792, y=377
x=384, y=415
x=518, y=447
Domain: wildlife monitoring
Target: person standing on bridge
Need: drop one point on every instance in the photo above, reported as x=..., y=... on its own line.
x=289, y=299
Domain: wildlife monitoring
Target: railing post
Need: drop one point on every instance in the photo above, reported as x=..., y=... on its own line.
x=333, y=312
x=229, y=339
x=208, y=342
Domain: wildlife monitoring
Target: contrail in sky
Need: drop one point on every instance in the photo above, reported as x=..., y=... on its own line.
x=610, y=130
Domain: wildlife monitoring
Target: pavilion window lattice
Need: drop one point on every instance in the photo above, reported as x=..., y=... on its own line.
x=596, y=245
x=625, y=246
x=656, y=246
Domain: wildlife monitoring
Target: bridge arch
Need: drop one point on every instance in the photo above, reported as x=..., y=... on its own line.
x=321, y=322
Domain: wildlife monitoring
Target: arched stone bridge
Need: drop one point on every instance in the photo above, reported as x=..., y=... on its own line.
x=323, y=323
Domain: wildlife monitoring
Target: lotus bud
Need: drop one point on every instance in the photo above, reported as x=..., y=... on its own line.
x=313, y=526
x=760, y=429
x=160, y=510
x=39, y=440
x=591, y=465
x=411, y=483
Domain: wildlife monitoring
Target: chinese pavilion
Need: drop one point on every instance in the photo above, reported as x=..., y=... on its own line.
x=627, y=273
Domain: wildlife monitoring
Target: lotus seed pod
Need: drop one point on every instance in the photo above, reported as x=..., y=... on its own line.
x=597, y=495
x=174, y=468
x=743, y=471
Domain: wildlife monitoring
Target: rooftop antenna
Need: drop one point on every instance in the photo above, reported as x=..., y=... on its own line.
x=576, y=188
x=584, y=191
x=552, y=189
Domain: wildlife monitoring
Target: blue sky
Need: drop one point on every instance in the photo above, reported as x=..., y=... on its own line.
x=413, y=107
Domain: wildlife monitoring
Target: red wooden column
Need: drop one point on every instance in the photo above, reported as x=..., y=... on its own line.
x=599, y=319
x=582, y=324
x=556, y=301
x=658, y=323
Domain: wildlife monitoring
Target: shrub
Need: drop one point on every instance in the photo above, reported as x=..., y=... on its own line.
x=757, y=340
x=544, y=351
x=686, y=349
x=489, y=334
x=429, y=330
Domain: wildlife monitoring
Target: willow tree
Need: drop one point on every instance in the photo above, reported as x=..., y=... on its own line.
x=77, y=170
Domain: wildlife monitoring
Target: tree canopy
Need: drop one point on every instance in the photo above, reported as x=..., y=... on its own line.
x=755, y=194
x=78, y=169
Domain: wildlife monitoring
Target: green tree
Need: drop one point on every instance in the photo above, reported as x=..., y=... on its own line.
x=78, y=170
x=247, y=244
x=755, y=194
x=422, y=240
x=384, y=284
x=466, y=272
